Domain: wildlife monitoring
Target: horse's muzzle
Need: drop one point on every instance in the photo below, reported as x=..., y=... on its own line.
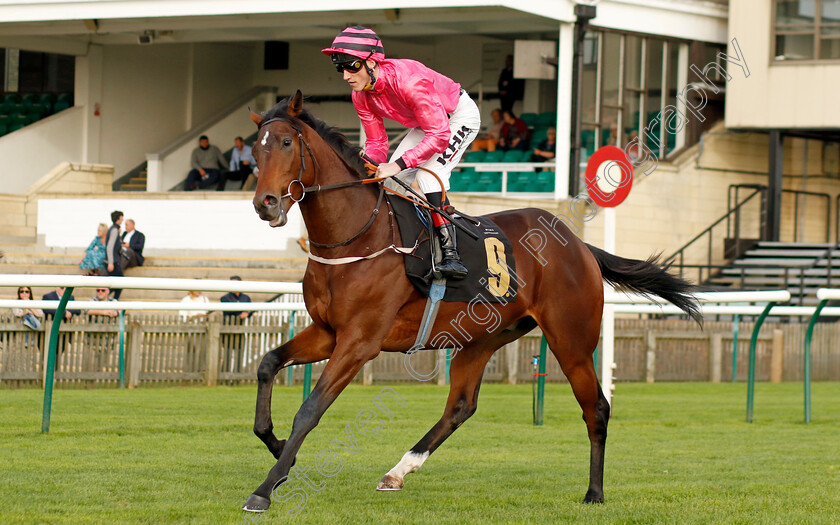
x=270, y=209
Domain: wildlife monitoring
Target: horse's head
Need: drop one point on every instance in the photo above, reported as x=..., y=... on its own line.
x=283, y=159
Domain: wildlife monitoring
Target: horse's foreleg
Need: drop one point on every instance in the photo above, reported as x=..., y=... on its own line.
x=343, y=366
x=465, y=374
x=310, y=346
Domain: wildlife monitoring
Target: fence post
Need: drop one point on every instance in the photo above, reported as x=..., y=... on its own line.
x=367, y=373
x=751, y=371
x=441, y=366
x=122, y=348
x=650, y=366
x=512, y=358
x=135, y=346
x=290, y=374
x=735, y=321
x=51, y=357
x=539, y=410
x=211, y=373
x=47, y=339
x=777, y=358
x=715, y=356
x=806, y=358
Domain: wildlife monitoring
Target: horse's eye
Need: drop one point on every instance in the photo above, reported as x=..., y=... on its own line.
x=287, y=143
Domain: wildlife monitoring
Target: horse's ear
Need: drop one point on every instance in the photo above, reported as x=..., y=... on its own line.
x=296, y=105
x=256, y=118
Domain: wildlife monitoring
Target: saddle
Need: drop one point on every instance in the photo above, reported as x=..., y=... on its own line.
x=489, y=257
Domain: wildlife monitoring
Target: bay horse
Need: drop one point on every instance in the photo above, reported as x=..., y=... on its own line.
x=363, y=308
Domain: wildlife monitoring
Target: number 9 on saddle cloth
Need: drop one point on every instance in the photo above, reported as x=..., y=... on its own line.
x=492, y=270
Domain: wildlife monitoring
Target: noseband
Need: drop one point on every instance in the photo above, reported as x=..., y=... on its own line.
x=317, y=187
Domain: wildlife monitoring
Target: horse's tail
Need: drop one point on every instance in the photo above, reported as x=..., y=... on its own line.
x=647, y=278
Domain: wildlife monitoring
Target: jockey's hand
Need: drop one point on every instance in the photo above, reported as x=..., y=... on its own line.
x=388, y=169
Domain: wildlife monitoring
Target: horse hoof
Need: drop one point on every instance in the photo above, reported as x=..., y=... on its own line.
x=593, y=497
x=256, y=504
x=390, y=482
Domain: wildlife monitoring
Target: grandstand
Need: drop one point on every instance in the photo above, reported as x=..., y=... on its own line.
x=132, y=89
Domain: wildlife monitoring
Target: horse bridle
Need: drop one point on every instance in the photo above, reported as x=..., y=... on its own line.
x=317, y=187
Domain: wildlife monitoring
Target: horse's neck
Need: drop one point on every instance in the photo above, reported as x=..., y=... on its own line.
x=335, y=215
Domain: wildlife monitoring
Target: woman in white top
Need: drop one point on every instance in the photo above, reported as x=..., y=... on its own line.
x=194, y=297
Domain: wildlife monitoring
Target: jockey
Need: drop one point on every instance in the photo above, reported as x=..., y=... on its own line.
x=443, y=117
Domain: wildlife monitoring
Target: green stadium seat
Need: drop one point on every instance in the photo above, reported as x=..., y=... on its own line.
x=475, y=156
x=14, y=98
x=47, y=100
x=514, y=155
x=21, y=119
x=548, y=118
x=16, y=126
x=60, y=105
x=4, y=128
x=461, y=180
x=529, y=118
x=38, y=108
x=34, y=117
x=539, y=135
x=494, y=156
x=523, y=181
x=487, y=181
x=5, y=120
x=28, y=98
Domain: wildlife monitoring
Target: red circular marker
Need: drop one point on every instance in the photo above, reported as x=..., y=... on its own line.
x=613, y=198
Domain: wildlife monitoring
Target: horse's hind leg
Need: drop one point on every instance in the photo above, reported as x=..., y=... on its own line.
x=465, y=372
x=309, y=346
x=574, y=352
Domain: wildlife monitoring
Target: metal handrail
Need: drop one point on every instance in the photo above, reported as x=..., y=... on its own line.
x=736, y=210
x=763, y=188
x=826, y=256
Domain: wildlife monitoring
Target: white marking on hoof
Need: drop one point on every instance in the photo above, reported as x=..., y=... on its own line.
x=409, y=463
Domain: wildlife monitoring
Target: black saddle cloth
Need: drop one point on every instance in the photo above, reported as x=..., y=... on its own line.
x=489, y=258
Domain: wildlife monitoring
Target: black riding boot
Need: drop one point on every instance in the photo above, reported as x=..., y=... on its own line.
x=451, y=266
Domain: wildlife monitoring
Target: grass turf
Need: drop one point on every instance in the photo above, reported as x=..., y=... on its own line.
x=676, y=453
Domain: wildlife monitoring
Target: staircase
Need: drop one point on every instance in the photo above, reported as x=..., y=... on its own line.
x=801, y=268
x=134, y=180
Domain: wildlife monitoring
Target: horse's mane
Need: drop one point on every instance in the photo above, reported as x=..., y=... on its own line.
x=336, y=140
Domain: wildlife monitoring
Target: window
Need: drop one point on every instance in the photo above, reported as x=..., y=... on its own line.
x=630, y=85
x=807, y=30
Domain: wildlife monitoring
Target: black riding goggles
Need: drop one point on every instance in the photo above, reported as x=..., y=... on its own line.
x=353, y=66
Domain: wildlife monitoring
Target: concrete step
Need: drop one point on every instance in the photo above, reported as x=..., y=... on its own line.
x=182, y=272
x=784, y=253
x=14, y=230
x=27, y=257
x=781, y=271
x=794, y=245
x=84, y=294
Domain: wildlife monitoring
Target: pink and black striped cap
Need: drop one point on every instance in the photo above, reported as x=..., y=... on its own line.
x=357, y=41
